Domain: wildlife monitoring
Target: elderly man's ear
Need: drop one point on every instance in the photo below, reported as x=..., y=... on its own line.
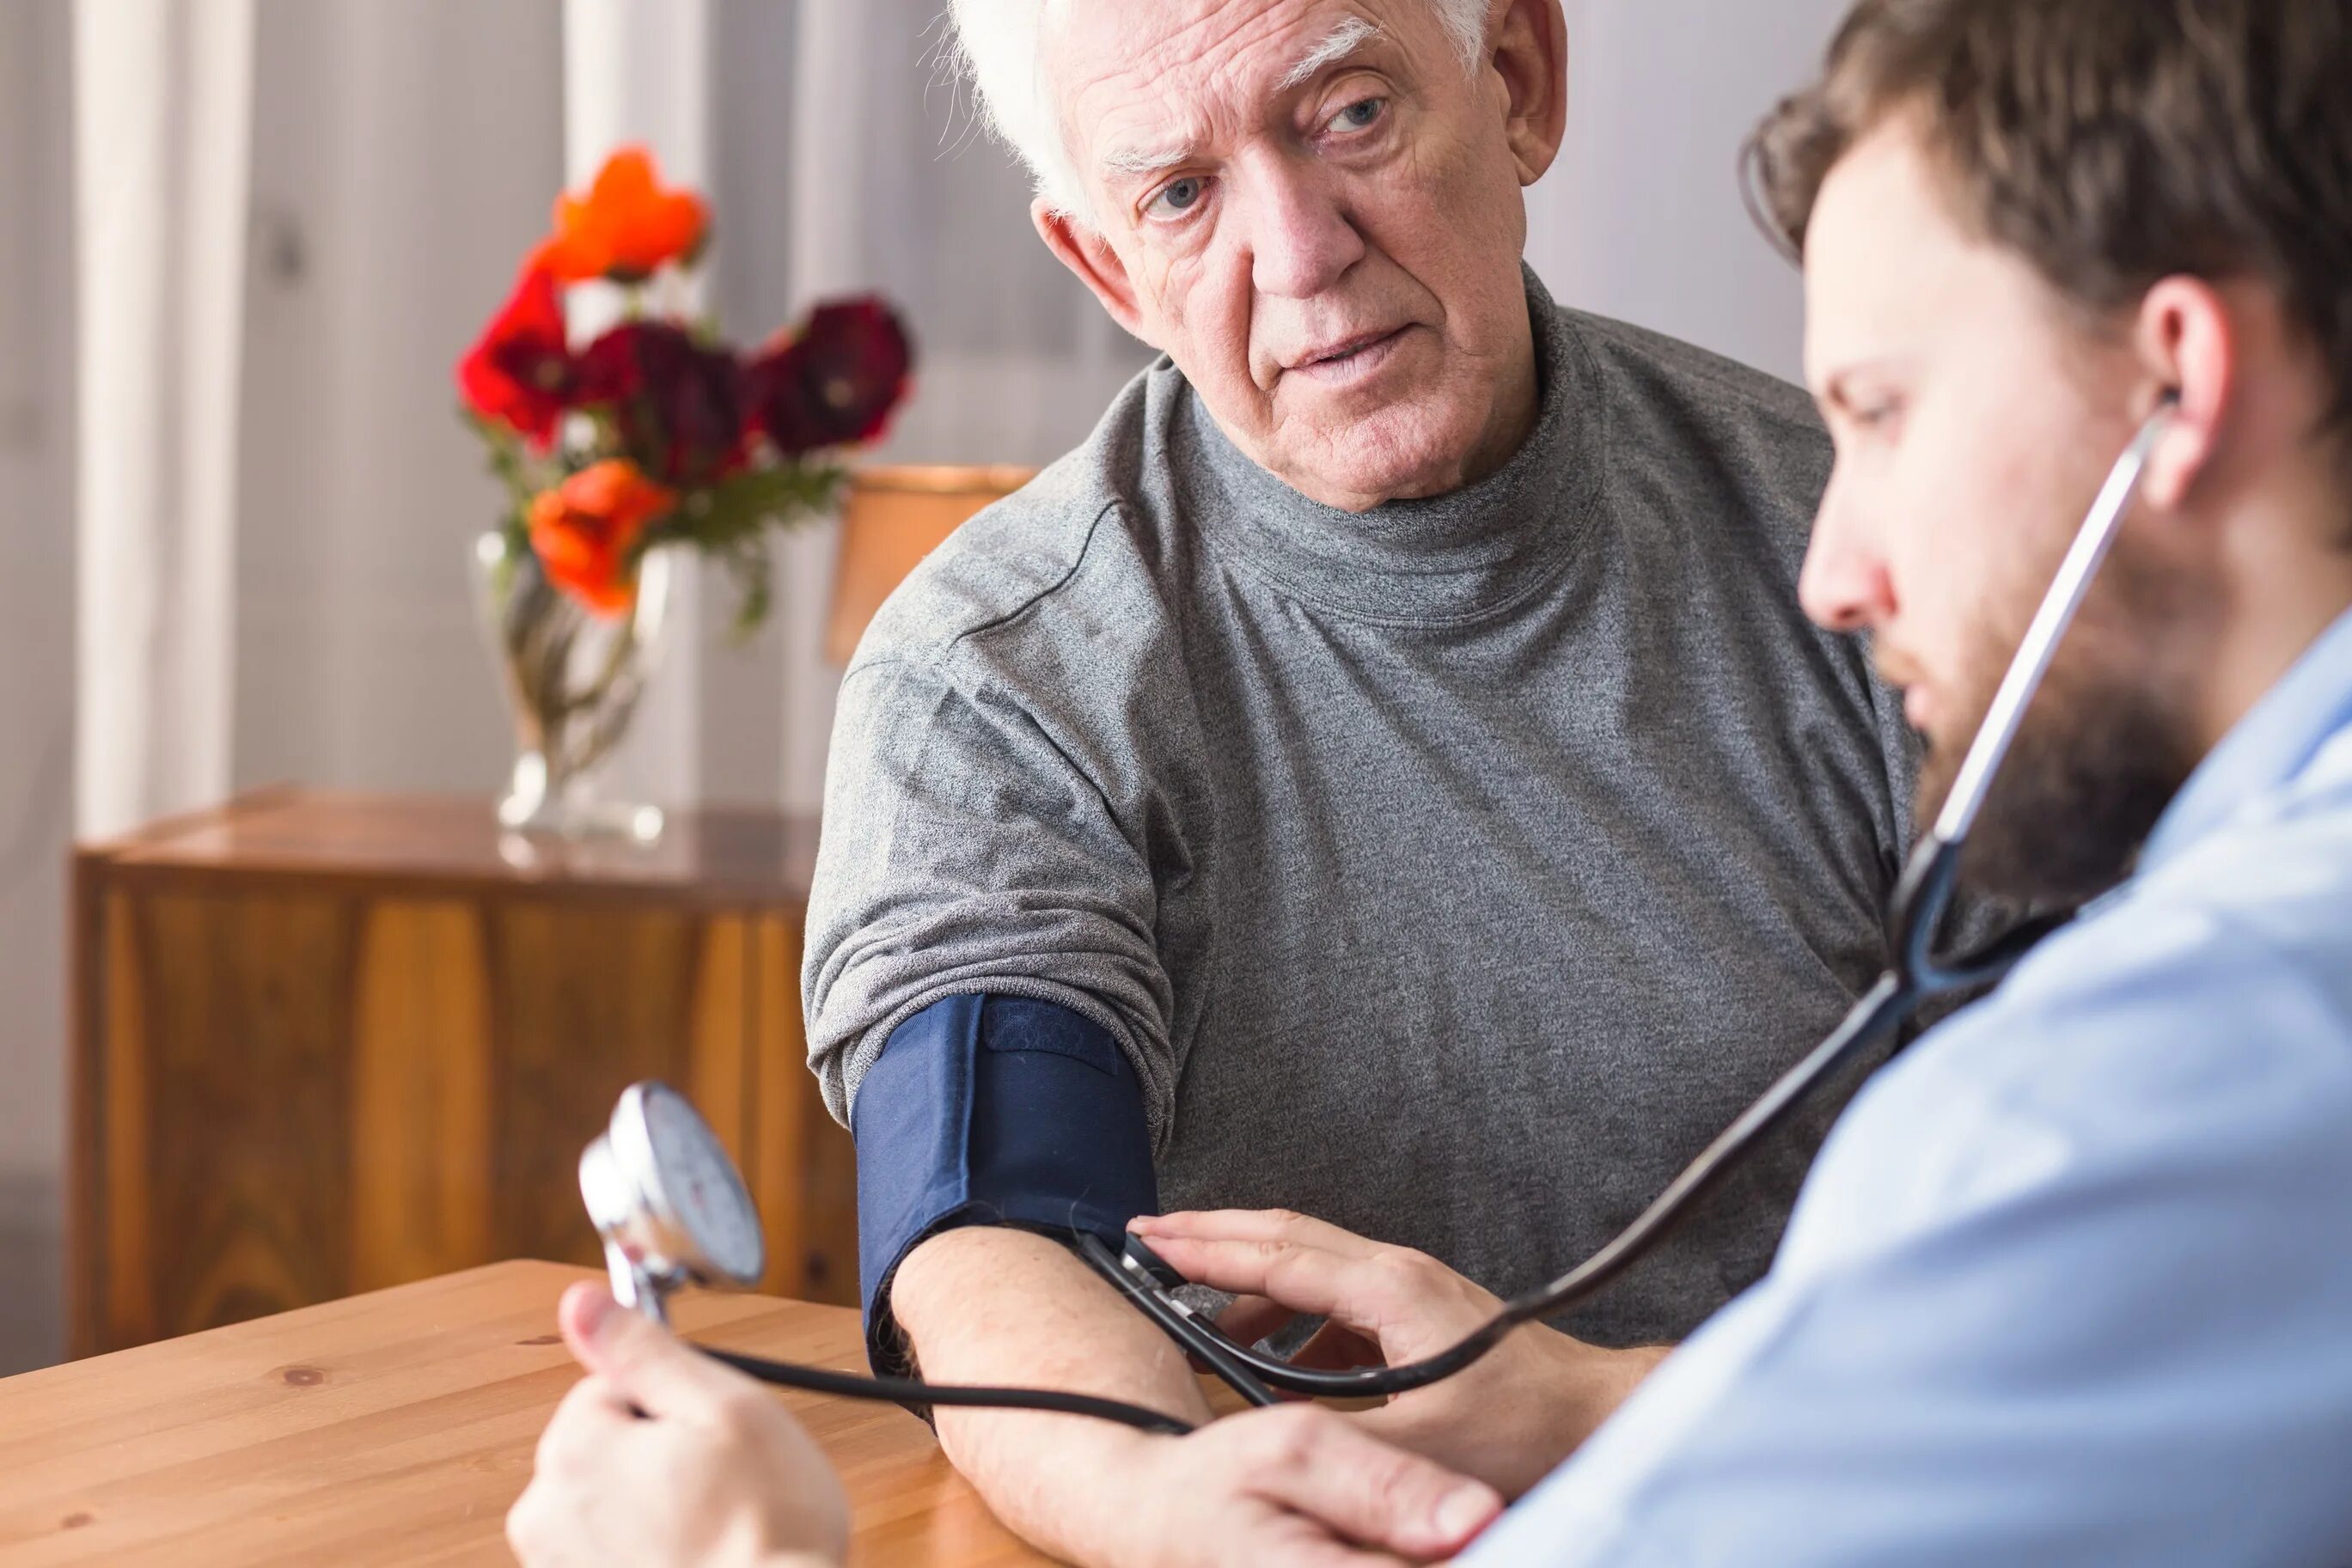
x=1080, y=247
x=1528, y=62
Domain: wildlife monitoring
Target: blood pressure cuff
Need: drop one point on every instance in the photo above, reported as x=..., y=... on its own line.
x=992, y=1111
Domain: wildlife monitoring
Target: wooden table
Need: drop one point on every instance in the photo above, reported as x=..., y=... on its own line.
x=397, y=1427
x=327, y=1044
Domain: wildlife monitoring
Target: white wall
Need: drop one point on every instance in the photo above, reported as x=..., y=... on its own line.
x=37, y=598
x=406, y=154
x=1642, y=217
x=405, y=158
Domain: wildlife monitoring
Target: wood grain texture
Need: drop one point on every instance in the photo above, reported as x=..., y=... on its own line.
x=587, y=1002
x=298, y=1076
x=233, y=1058
x=415, y=844
x=421, y=1112
x=397, y=1427
x=803, y=1168
x=120, y=1256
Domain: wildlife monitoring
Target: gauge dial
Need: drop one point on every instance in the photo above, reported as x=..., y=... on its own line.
x=696, y=1182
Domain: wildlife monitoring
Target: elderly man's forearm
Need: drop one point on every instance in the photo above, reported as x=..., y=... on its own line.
x=990, y=1305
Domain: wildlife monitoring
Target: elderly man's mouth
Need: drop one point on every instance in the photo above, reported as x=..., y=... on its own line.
x=1350, y=360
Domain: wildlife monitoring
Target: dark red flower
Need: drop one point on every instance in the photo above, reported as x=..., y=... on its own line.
x=836, y=382
x=519, y=374
x=677, y=405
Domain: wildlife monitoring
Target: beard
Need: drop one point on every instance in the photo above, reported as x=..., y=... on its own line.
x=2104, y=747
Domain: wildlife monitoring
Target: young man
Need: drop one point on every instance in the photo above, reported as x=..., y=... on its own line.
x=2067, y=1284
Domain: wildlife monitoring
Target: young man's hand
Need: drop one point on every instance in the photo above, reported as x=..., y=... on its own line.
x=1507, y=1419
x=1292, y=1487
x=661, y=1457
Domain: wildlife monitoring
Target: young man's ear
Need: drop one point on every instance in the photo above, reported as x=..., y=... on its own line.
x=2186, y=344
x=1529, y=56
x=1087, y=254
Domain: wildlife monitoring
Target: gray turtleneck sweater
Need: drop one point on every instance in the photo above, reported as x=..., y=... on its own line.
x=1453, y=871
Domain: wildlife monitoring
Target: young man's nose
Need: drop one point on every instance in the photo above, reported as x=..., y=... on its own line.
x=1845, y=586
x=1301, y=240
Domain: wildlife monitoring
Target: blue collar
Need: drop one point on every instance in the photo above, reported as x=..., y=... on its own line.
x=2275, y=741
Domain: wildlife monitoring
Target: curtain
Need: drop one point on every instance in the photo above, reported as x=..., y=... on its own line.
x=639, y=71
x=37, y=659
x=162, y=93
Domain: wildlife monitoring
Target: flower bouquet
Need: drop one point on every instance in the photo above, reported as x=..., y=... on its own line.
x=654, y=436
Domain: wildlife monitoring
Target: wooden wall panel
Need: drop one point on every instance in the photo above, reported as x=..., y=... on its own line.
x=119, y=1271
x=329, y=1044
x=421, y=1124
x=234, y=1071
x=586, y=1000
x=804, y=1167
x=720, y=1044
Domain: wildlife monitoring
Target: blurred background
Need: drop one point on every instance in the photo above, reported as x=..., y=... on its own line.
x=242, y=243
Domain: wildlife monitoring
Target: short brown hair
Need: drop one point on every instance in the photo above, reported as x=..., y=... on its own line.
x=2113, y=143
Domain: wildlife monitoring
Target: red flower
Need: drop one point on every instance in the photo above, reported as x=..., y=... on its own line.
x=584, y=531
x=837, y=382
x=627, y=225
x=519, y=374
x=677, y=405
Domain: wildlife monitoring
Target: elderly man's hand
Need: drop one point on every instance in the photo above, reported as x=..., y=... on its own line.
x=1508, y=1419
x=661, y=1456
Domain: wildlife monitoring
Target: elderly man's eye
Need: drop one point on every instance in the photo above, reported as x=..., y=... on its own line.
x=1177, y=197
x=1358, y=115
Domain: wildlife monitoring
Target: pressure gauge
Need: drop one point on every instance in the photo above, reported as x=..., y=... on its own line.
x=669, y=1203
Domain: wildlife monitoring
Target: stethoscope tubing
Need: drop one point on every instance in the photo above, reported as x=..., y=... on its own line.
x=1923, y=895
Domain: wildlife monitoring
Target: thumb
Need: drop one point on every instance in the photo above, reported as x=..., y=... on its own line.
x=643, y=1362
x=1323, y=1466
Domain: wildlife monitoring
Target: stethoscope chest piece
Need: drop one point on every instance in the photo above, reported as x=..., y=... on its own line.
x=669, y=1203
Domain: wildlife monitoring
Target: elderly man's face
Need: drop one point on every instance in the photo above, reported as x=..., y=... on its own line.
x=1314, y=209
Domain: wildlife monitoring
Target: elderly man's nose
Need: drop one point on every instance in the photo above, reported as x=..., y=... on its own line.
x=1302, y=241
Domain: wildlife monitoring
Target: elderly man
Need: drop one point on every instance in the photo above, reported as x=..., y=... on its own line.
x=1384, y=772
x=2068, y=1284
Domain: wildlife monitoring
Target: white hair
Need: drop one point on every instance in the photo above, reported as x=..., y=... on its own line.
x=999, y=45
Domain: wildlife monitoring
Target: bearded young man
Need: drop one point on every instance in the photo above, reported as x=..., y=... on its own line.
x=2067, y=1284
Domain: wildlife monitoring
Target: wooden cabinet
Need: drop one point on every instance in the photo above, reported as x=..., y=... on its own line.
x=893, y=516
x=329, y=1043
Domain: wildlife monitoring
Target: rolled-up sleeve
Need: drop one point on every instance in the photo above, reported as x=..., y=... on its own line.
x=966, y=853
x=987, y=1007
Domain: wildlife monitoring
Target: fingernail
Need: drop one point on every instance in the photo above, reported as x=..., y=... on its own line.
x=596, y=1309
x=1142, y=1225
x=1462, y=1510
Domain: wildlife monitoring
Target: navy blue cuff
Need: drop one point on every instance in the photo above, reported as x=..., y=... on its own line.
x=992, y=1111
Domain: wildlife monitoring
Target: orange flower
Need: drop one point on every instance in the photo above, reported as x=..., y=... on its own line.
x=584, y=531
x=627, y=225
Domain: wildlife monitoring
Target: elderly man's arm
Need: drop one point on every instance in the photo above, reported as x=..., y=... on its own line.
x=1292, y=1487
x=987, y=1001
x=991, y=1304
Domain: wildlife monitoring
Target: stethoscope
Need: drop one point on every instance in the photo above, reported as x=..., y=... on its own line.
x=672, y=1210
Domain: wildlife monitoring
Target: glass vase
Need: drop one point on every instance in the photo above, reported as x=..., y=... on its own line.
x=573, y=679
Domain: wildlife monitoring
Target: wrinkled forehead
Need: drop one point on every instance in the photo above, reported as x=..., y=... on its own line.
x=1133, y=77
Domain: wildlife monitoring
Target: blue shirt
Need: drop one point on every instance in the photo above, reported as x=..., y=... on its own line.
x=2071, y=1282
